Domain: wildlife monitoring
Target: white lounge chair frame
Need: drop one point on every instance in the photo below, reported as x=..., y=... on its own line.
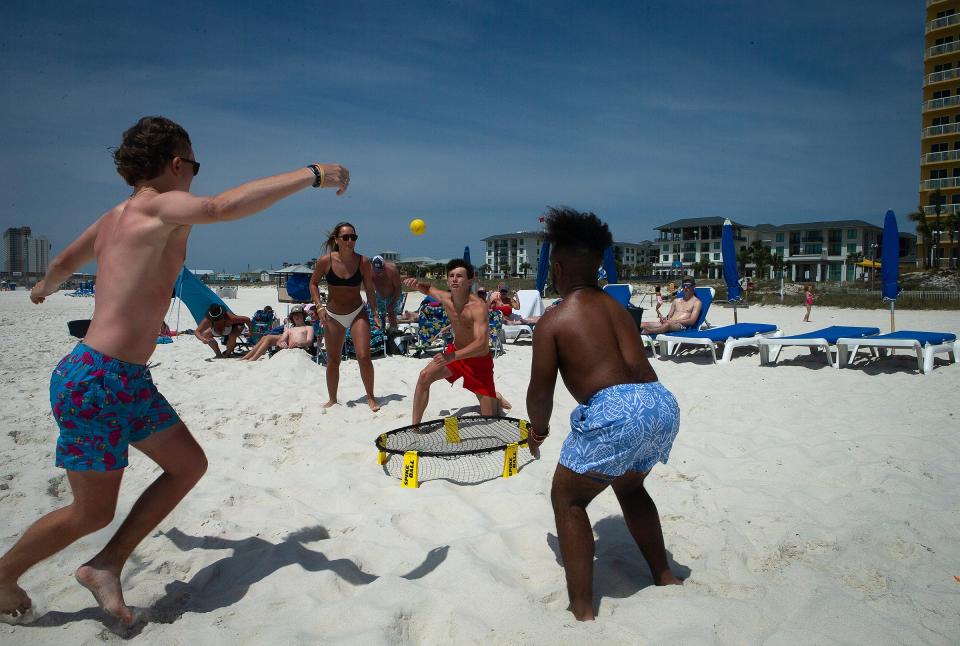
x=925, y=353
x=669, y=344
x=830, y=352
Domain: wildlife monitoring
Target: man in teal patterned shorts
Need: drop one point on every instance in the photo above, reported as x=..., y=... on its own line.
x=102, y=394
x=626, y=421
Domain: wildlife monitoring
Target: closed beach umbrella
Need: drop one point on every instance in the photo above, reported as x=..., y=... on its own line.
x=543, y=266
x=890, y=263
x=730, y=276
x=466, y=254
x=610, y=265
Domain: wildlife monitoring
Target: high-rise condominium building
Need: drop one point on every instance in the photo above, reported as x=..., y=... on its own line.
x=940, y=136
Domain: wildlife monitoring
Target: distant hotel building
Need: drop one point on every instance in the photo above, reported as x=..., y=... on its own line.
x=940, y=134
x=814, y=251
x=24, y=254
x=508, y=252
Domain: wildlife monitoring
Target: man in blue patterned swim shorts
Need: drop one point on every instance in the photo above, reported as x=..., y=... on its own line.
x=626, y=421
x=102, y=394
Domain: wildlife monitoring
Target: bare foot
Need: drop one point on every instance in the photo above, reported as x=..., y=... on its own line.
x=14, y=602
x=667, y=578
x=105, y=587
x=504, y=404
x=373, y=404
x=582, y=614
x=330, y=403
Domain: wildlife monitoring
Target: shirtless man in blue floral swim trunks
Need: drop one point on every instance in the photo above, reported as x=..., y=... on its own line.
x=102, y=395
x=626, y=421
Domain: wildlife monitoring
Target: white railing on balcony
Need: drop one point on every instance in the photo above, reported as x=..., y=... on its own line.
x=945, y=48
x=939, y=104
x=946, y=155
x=945, y=182
x=945, y=75
x=933, y=2
x=945, y=129
x=944, y=209
x=940, y=23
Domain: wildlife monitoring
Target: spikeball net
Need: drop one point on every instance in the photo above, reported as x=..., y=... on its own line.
x=462, y=450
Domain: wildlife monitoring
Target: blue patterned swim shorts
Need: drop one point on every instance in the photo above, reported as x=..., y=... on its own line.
x=102, y=405
x=627, y=427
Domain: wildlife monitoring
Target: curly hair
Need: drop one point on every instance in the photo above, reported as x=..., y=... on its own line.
x=580, y=233
x=331, y=244
x=147, y=147
x=460, y=262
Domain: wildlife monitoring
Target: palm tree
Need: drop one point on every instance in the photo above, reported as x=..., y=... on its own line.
x=485, y=269
x=923, y=232
x=744, y=257
x=760, y=254
x=525, y=267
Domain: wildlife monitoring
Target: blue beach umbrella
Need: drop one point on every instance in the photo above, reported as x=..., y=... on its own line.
x=609, y=265
x=890, y=263
x=543, y=266
x=466, y=254
x=730, y=276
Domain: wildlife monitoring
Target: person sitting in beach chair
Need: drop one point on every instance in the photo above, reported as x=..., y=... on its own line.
x=221, y=322
x=297, y=334
x=264, y=322
x=683, y=312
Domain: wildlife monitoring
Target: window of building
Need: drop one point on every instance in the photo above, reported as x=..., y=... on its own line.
x=938, y=173
x=940, y=148
x=852, y=247
x=851, y=234
x=942, y=121
x=716, y=245
x=780, y=251
x=941, y=94
x=666, y=259
x=779, y=237
x=716, y=256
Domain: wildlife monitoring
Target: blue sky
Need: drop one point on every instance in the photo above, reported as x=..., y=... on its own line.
x=471, y=115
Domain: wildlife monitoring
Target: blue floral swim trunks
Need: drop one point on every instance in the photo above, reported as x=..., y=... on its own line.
x=102, y=405
x=627, y=427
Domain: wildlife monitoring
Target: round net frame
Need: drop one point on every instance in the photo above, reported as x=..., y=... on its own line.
x=470, y=451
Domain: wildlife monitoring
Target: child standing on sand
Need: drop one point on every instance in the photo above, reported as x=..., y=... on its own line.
x=808, y=302
x=659, y=299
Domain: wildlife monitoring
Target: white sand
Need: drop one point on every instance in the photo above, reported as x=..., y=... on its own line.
x=803, y=505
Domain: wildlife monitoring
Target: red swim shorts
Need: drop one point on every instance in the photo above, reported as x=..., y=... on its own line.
x=477, y=373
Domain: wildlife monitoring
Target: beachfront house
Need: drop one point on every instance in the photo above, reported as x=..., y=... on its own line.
x=695, y=241
x=507, y=253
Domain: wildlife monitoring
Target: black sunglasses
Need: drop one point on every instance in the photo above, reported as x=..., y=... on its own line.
x=196, y=165
x=346, y=237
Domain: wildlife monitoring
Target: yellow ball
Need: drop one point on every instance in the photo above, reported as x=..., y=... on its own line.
x=417, y=227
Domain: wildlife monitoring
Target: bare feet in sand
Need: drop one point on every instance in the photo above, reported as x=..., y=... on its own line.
x=666, y=578
x=330, y=403
x=373, y=404
x=504, y=404
x=105, y=587
x=14, y=602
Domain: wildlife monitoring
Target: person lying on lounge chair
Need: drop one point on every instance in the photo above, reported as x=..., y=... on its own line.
x=219, y=321
x=298, y=334
x=683, y=312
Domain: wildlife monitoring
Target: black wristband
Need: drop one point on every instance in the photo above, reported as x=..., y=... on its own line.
x=317, y=174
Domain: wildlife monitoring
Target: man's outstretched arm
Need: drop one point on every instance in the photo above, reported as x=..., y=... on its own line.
x=180, y=207
x=78, y=253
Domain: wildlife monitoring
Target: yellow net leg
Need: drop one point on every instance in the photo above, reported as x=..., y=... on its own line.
x=382, y=455
x=510, y=460
x=411, y=476
x=523, y=429
x=452, y=427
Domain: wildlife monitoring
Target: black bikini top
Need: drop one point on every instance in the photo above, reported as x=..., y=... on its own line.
x=335, y=281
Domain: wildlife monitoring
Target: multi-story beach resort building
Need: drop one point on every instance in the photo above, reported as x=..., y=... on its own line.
x=23, y=253
x=507, y=253
x=816, y=251
x=940, y=134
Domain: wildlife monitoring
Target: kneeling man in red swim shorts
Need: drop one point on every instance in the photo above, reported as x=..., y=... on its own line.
x=469, y=357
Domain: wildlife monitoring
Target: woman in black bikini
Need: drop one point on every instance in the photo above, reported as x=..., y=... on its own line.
x=345, y=270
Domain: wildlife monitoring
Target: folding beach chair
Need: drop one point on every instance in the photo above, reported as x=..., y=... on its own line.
x=824, y=340
x=531, y=304
x=730, y=336
x=926, y=345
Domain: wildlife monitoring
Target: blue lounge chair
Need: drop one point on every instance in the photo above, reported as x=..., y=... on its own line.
x=731, y=336
x=705, y=294
x=825, y=339
x=925, y=344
